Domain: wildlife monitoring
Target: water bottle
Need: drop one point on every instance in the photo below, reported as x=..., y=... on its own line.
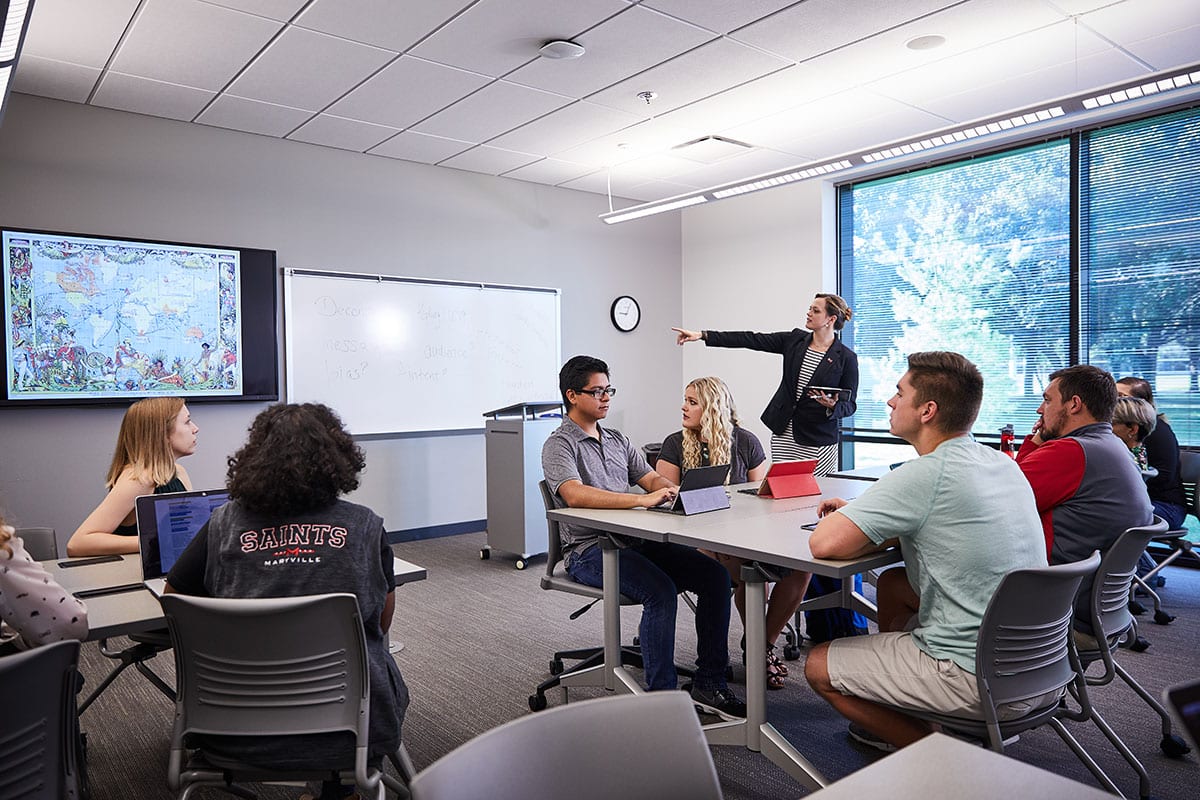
x=1006, y=441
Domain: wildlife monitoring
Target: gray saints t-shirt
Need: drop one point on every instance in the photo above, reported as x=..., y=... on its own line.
x=340, y=548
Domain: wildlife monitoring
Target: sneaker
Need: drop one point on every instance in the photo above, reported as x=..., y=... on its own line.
x=721, y=702
x=864, y=736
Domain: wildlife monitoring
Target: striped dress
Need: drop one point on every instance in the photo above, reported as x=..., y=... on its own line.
x=784, y=446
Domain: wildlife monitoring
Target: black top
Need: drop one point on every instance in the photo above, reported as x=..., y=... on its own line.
x=811, y=425
x=1162, y=453
x=173, y=485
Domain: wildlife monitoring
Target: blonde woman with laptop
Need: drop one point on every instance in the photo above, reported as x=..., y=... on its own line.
x=155, y=433
x=711, y=436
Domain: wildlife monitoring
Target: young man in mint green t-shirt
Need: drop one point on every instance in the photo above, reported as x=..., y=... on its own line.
x=963, y=516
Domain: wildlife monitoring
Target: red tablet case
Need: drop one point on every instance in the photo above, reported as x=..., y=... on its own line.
x=790, y=479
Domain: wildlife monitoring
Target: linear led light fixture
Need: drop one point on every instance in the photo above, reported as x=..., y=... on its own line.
x=963, y=134
x=14, y=15
x=657, y=207
x=1143, y=90
x=1090, y=107
x=721, y=192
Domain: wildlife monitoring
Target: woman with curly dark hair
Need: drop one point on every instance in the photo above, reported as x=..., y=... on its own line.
x=287, y=532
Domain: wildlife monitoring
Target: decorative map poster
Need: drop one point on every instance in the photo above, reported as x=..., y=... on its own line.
x=97, y=318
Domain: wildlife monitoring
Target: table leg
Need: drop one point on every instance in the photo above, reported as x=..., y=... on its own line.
x=611, y=566
x=760, y=735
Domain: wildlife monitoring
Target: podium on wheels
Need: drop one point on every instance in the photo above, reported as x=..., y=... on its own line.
x=516, y=518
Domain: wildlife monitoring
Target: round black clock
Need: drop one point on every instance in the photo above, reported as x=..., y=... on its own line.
x=625, y=313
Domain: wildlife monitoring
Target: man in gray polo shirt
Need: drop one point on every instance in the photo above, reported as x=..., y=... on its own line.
x=588, y=466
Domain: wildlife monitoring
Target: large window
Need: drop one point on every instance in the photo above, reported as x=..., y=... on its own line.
x=979, y=257
x=1141, y=259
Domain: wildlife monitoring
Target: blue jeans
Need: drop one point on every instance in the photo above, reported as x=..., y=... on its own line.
x=653, y=574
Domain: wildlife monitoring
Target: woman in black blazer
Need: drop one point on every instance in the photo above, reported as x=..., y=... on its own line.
x=804, y=421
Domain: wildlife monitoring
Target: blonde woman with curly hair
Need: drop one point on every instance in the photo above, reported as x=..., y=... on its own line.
x=711, y=435
x=155, y=433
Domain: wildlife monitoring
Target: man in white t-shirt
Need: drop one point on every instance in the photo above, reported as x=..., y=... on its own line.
x=964, y=516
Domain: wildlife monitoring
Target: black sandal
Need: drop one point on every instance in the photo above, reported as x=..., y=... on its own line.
x=774, y=662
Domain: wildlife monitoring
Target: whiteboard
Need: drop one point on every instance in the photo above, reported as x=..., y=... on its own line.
x=395, y=355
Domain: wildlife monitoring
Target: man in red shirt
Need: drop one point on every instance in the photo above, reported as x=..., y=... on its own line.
x=1087, y=488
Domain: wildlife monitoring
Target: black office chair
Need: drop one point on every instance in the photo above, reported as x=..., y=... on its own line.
x=40, y=754
x=589, y=669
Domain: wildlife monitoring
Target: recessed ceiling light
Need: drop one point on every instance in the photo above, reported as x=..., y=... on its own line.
x=928, y=42
x=561, y=48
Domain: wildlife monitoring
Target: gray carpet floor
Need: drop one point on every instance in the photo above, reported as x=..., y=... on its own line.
x=478, y=636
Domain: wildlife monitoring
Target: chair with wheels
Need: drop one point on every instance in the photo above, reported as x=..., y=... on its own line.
x=40, y=543
x=636, y=747
x=251, y=669
x=39, y=736
x=142, y=648
x=1175, y=538
x=1112, y=622
x=589, y=669
x=1025, y=651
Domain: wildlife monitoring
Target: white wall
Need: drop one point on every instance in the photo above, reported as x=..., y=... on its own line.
x=754, y=263
x=92, y=170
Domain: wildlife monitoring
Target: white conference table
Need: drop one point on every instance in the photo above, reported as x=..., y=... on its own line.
x=760, y=530
x=942, y=766
x=117, y=602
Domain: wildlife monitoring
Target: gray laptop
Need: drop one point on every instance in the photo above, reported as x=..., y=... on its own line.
x=166, y=524
x=695, y=478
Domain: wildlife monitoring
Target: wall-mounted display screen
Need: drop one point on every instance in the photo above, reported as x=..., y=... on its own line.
x=104, y=320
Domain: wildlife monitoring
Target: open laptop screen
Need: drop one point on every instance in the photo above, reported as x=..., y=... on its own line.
x=167, y=523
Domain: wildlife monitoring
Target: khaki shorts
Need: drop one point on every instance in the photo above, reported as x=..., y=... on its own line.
x=889, y=668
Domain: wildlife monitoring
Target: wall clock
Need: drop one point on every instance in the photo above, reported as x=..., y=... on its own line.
x=625, y=313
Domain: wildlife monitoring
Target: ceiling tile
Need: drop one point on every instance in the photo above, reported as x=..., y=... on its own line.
x=282, y=10
x=755, y=162
x=636, y=141
x=817, y=26
x=492, y=110
x=406, y=91
x=567, y=127
x=192, y=43
x=1134, y=20
x=491, y=160
x=705, y=71
x=1022, y=55
x=493, y=37
x=78, y=33
x=58, y=79
x=383, y=23
x=721, y=16
x=550, y=171
x=145, y=96
x=598, y=182
x=799, y=83
x=862, y=117
x=344, y=134
x=634, y=40
x=308, y=70
x=1174, y=49
x=252, y=116
x=1015, y=92
x=413, y=146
